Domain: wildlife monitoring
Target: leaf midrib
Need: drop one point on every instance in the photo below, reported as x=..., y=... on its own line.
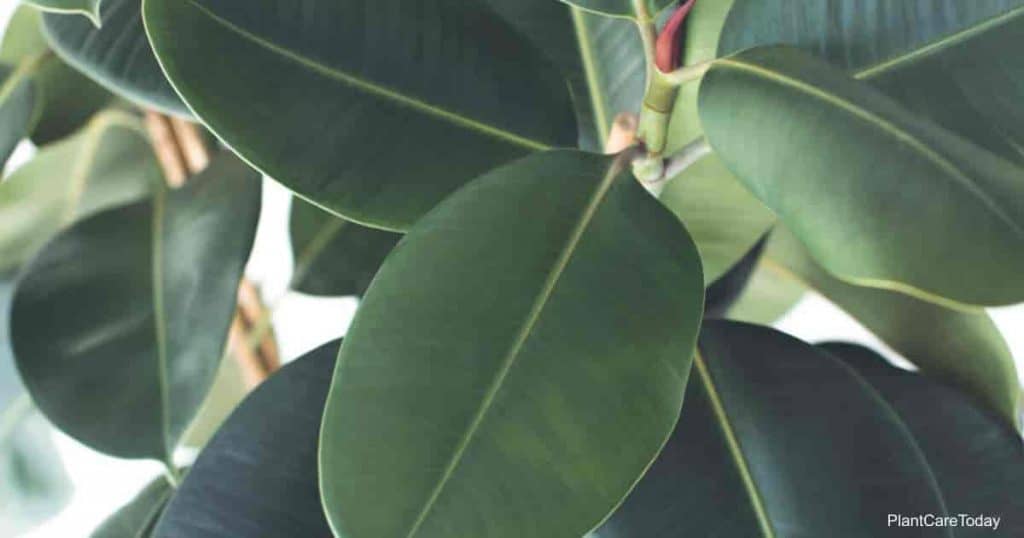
x=371, y=87
x=884, y=126
x=159, y=321
x=533, y=316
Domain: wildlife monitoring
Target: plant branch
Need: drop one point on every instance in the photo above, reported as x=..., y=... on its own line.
x=687, y=73
x=655, y=173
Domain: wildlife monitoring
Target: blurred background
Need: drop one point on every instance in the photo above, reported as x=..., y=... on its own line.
x=101, y=484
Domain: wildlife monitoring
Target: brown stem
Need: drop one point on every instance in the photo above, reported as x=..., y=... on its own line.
x=182, y=152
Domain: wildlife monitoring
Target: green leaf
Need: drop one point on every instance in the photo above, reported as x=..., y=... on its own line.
x=68, y=99
x=978, y=461
x=33, y=483
x=108, y=163
x=266, y=450
x=723, y=217
x=767, y=297
x=722, y=293
x=962, y=348
x=119, y=324
x=880, y=197
x=619, y=8
x=387, y=112
x=777, y=438
x=19, y=106
x=502, y=337
x=138, y=518
x=334, y=256
x=946, y=61
x=116, y=54
x=90, y=9
x=603, y=58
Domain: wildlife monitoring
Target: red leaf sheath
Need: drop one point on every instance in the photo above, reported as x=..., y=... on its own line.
x=668, y=52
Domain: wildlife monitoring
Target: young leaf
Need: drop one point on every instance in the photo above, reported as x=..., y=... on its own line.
x=265, y=450
x=603, y=58
x=946, y=61
x=137, y=518
x=777, y=438
x=880, y=197
x=109, y=163
x=620, y=8
x=387, y=112
x=90, y=9
x=977, y=460
x=334, y=256
x=119, y=324
x=115, y=54
x=538, y=326
x=19, y=107
x=962, y=348
x=68, y=98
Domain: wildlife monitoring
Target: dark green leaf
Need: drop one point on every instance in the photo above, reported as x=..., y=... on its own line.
x=881, y=197
x=119, y=324
x=334, y=256
x=258, y=476
x=108, y=163
x=138, y=518
x=978, y=461
x=117, y=54
x=727, y=289
x=779, y=439
x=948, y=61
x=68, y=98
x=602, y=57
x=963, y=348
x=87, y=8
x=619, y=8
x=19, y=106
x=767, y=297
x=389, y=108
x=538, y=326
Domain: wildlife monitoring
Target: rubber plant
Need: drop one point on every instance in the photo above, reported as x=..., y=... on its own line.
x=570, y=226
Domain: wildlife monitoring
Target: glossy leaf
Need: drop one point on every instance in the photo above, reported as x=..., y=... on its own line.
x=138, y=518
x=108, y=163
x=19, y=107
x=619, y=8
x=770, y=427
x=603, y=58
x=723, y=293
x=265, y=450
x=962, y=348
x=880, y=197
x=768, y=296
x=90, y=9
x=942, y=59
x=388, y=111
x=977, y=460
x=119, y=324
x=501, y=338
x=68, y=98
x=115, y=54
x=33, y=483
x=334, y=256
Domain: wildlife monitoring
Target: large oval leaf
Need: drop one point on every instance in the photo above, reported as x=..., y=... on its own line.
x=945, y=60
x=87, y=8
x=109, y=163
x=19, y=107
x=603, y=58
x=502, y=337
x=119, y=324
x=389, y=109
x=962, y=348
x=779, y=439
x=620, y=8
x=265, y=450
x=334, y=256
x=116, y=54
x=881, y=197
x=68, y=98
x=138, y=518
x=977, y=460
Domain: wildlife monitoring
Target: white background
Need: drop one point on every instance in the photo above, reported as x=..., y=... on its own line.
x=103, y=484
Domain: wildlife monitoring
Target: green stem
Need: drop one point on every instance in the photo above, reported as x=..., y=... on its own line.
x=172, y=474
x=660, y=95
x=687, y=73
